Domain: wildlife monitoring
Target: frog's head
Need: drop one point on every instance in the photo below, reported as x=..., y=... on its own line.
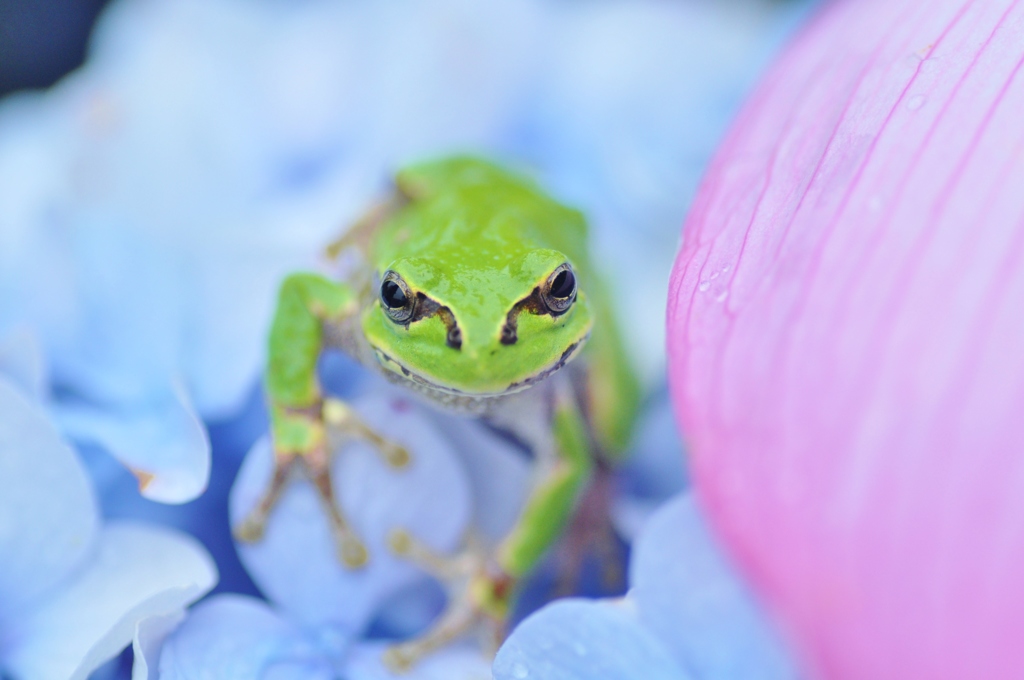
x=480, y=319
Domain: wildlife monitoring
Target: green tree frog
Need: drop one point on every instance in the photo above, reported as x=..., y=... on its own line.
x=473, y=289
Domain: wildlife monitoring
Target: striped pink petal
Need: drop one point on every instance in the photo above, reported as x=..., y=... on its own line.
x=846, y=336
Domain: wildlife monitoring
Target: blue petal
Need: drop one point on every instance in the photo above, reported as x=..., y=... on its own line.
x=584, y=640
x=22, y=362
x=162, y=441
x=430, y=498
x=136, y=572
x=36, y=285
x=691, y=598
x=48, y=514
x=499, y=472
x=409, y=611
x=101, y=296
x=655, y=469
x=456, y=662
x=235, y=637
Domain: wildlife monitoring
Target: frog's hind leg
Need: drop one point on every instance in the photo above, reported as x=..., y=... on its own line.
x=591, y=535
x=459, y=619
x=482, y=582
x=463, y=614
x=360, y=234
x=350, y=548
x=251, y=529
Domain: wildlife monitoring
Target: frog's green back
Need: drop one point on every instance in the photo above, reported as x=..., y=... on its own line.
x=476, y=211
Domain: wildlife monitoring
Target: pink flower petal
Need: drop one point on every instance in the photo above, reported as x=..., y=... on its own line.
x=846, y=331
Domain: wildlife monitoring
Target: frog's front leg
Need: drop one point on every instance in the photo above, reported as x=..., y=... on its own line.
x=483, y=585
x=299, y=413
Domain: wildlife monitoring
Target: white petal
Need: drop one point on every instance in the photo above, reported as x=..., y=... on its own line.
x=136, y=572
x=458, y=662
x=22, y=361
x=236, y=637
x=48, y=513
x=584, y=640
x=689, y=595
x=162, y=441
x=296, y=564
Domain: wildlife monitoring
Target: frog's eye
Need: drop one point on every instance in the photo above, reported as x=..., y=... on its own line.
x=396, y=298
x=559, y=291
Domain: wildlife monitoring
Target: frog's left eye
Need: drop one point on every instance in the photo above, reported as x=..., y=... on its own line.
x=396, y=298
x=559, y=290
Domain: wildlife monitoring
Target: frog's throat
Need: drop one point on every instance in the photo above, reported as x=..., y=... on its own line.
x=395, y=366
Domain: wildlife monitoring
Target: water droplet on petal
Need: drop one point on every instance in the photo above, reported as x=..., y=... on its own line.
x=916, y=102
x=703, y=286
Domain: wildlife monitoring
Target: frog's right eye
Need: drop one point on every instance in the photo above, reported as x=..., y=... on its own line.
x=396, y=298
x=559, y=291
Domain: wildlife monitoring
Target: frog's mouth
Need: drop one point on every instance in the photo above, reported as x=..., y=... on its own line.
x=394, y=366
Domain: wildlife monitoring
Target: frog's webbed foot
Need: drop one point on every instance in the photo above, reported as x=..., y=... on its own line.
x=479, y=595
x=252, y=528
x=316, y=465
x=340, y=420
x=350, y=548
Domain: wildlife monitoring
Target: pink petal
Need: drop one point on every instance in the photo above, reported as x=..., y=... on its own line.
x=846, y=331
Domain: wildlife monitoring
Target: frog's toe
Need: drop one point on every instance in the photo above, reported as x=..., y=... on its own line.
x=342, y=418
x=400, y=658
x=250, y=530
x=479, y=595
x=352, y=552
x=460, y=618
x=450, y=570
x=397, y=456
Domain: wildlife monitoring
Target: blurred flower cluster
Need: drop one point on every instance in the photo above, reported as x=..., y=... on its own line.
x=74, y=589
x=153, y=200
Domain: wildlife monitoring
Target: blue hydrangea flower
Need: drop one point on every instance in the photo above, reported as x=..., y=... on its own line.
x=74, y=590
x=318, y=611
x=687, y=616
x=234, y=637
x=296, y=564
x=463, y=476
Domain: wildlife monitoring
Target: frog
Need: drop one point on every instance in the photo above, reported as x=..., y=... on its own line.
x=474, y=290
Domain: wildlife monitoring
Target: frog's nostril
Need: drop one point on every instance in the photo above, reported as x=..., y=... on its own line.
x=508, y=334
x=454, y=338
